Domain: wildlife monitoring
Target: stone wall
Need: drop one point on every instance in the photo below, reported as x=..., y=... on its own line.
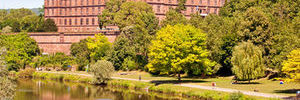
x=52, y=42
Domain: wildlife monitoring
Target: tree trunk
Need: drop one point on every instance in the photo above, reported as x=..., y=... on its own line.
x=179, y=78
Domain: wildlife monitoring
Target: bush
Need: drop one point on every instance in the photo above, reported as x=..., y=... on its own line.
x=129, y=64
x=238, y=96
x=102, y=71
x=7, y=85
x=27, y=73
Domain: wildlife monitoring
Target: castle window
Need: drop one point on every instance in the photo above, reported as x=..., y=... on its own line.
x=65, y=22
x=87, y=21
x=192, y=9
x=75, y=2
x=87, y=2
x=81, y=2
x=208, y=10
x=158, y=8
x=87, y=11
x=93, y=10
x=70, y=2
x=93, y=2
x=200, y=1
x=171, y=1
x=216, y=2
x=60, y=2
x=99, y=10
x=215, y=11
x=93, y=21
x=208, y=2
x=75, y=21
x=70, y=21
x=60, y=21
x=60, y=11
x=53, y=3
x=192, y=1
x=81, y=21
x=99, y=1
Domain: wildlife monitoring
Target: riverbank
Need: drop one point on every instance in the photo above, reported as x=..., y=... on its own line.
x=173, y=89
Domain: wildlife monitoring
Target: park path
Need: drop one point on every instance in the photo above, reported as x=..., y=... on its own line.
x=191, y=86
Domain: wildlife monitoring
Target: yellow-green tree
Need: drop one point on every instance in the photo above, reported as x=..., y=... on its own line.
x=247, y=62
x=180, y=48
x=98, y=47
x=291, y=67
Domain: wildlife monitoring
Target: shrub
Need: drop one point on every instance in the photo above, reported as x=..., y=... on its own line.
x=291, y=67
x=27, y=73
x=102, y=71
x=129, y=64
x=7, y=86
x=247, y=62
x=238, y=96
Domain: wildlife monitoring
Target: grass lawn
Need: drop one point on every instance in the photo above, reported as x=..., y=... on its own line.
x=262, y=85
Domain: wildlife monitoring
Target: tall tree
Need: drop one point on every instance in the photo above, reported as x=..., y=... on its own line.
x=20, y=50
x=121, y=50
x=291, y=67
x=99, y=47
x=180, y=48
x=247, y=62
x=81, y=52
x=173, y=17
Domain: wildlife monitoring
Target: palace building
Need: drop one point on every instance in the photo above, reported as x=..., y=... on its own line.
x=82, y=15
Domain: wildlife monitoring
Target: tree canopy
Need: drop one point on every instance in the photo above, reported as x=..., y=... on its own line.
x=180, y=48
x=291, y=66
x=247, y=62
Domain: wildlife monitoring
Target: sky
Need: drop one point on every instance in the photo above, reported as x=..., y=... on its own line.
x=7, y=4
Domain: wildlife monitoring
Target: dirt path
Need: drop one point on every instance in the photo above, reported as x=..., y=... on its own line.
x=193, y=86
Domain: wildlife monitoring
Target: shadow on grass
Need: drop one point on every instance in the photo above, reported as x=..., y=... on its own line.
x=158, y=82
x=245, y=83
x=288, y=91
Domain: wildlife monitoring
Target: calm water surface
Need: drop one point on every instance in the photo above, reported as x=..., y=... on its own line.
x=53, y=90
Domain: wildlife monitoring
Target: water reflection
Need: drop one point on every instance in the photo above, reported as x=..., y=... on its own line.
x=53, y=90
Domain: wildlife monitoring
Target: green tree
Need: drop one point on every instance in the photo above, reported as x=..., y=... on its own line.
x=247, y=62
x=99, y=47
x=291, y=67
x=20, y=50
x=180, y=48
x=81, y=52
x=121, y=50
x=108, y=14
x=7, y=85
x=102, y=71
x=173, y=17
x=49, y=26
x=138, y=23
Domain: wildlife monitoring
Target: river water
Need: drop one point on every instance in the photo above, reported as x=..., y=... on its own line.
x=56, y=90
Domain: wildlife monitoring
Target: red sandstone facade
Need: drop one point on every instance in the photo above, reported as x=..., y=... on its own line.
x=53, y=42
x=81, y=15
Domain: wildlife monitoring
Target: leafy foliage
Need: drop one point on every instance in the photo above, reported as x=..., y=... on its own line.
x=57, y=61
x=270, y=25
x=20, y=50
x=102, y=71
x=81, y=52
x=137, y=23
x=174, y=17
x=291, y=67
x=25, y=20
x=180, y=48
x=7, y=85
x=26, y=73
x=247, y=62
x=121, y=50
x=98, y=47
